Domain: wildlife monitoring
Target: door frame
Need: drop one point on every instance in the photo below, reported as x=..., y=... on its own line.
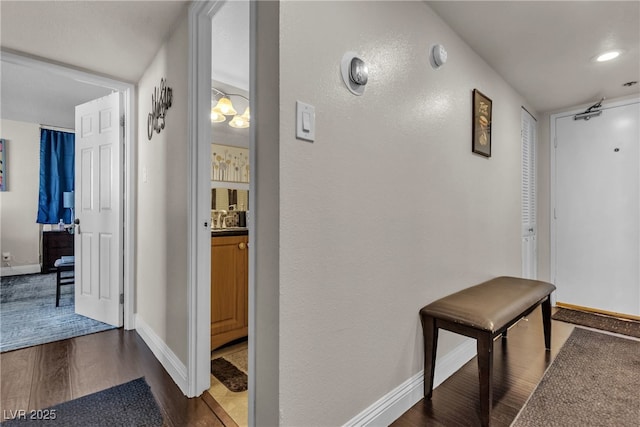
x=552, y=156
x=127, y=171
x=199, y=196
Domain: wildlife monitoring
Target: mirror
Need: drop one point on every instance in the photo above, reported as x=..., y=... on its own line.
x=229, y=199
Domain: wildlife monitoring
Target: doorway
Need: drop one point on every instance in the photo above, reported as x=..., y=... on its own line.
x=596, y=209
x=126, y=170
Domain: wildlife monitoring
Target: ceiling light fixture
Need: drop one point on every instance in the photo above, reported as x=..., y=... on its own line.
x=608, y=56
x=224, y=107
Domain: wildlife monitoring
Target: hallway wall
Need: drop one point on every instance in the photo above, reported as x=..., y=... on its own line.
x=388, y=209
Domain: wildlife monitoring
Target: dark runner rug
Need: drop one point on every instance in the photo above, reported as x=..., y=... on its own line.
x=599, y=321
x=593, y=381
x=228, y=374
x=130, y=404
x=29, y=316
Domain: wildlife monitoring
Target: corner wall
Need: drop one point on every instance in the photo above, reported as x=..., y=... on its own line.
x=20, y=234
x=388, y=209
x=161, y=263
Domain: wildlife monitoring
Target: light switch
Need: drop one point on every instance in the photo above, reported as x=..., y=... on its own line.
x=305, y=121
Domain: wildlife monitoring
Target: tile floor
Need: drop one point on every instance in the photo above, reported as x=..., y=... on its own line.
x=235, y=404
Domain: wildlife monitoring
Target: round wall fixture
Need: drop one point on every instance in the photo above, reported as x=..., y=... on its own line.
x=355, y=73
x=437, y=56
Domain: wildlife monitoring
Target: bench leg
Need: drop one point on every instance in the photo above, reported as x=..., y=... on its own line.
x=430, y=345
x=485, y=370
x=546, y=322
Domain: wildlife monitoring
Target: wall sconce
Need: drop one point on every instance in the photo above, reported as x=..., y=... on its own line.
x=224, y=107
x=161, y=100
x=355, y=73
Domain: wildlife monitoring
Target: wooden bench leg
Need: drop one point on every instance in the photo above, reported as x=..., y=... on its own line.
x=485, y=370
x=546, y=322
x=430, y=333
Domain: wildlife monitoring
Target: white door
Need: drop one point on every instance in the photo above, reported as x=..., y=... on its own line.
x=529, y=226
x=98, y=238
x=597, y=210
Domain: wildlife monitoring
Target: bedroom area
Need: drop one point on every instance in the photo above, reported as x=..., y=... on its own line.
x=37, y=201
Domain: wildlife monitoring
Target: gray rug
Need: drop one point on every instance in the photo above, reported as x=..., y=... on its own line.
x=599, y=321
x=130, y=404
x=593, y=381
x=29, y=316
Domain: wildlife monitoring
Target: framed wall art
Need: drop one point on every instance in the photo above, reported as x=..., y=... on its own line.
x=481, y=132
x=229, y=164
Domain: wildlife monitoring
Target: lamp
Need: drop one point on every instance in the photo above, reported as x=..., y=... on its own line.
x=67, y=202
x=224, y=107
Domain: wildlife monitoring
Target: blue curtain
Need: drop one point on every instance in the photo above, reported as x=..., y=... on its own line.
x=57, y=173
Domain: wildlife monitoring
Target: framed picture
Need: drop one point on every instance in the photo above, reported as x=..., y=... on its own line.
x=3, y=165
x=481, y=133
x=229, y=164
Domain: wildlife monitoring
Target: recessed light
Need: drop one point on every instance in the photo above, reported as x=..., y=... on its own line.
x=608, y=56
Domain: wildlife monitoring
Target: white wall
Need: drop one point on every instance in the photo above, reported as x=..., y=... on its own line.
x=161, y=264
x=19, y=204
x=387, y=210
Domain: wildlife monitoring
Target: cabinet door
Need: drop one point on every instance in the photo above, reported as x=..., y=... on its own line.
x=229, y=293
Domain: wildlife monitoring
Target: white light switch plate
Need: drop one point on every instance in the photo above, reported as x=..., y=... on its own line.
x=305, y=121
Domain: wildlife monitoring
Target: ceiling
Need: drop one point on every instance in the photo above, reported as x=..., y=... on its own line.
x=544, y=49
x=73, y=33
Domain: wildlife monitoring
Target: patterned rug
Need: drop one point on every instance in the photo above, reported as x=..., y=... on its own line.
x=129, y=404
x=29, y=316
x=599, y=321
x=231, y=370
x=593, y=381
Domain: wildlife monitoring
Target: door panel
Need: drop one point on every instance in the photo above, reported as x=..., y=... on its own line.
x=597, y=210
x=98, y=188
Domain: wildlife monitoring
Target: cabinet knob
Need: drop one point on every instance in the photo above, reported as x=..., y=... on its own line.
x=241, y=245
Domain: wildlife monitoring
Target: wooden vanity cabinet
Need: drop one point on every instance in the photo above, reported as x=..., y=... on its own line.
x=229, y=289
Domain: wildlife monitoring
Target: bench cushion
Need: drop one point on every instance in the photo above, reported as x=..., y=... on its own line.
x=491, y=305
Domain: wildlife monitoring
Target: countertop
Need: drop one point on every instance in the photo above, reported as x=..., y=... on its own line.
x=230, y=231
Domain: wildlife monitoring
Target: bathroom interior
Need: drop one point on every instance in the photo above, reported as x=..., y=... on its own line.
x=230, y=177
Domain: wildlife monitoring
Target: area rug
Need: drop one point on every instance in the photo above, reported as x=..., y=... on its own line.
x=593, y=381
x=229, y=374
x=130, y=404
x=29, y=316
x=599, y=321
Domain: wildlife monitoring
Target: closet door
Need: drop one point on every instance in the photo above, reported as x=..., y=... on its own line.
x=597, y=210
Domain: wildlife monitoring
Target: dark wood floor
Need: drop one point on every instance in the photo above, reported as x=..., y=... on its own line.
x=48, y=374
x=518, y=365
x=45, y=375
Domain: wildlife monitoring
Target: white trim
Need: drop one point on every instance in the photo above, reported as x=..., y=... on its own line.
x=20, y=269
x=163, y=353
x=395, y=403
x=129, y=172
x=199, y=194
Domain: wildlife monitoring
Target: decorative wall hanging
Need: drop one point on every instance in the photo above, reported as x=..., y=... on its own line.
x=229, y=164
x=161, y=100
x=3, y=165
x=481, y=133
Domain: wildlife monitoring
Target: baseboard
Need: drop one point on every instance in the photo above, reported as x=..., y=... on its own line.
x=395, y=403
x=20, y=269
x=176, y=369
